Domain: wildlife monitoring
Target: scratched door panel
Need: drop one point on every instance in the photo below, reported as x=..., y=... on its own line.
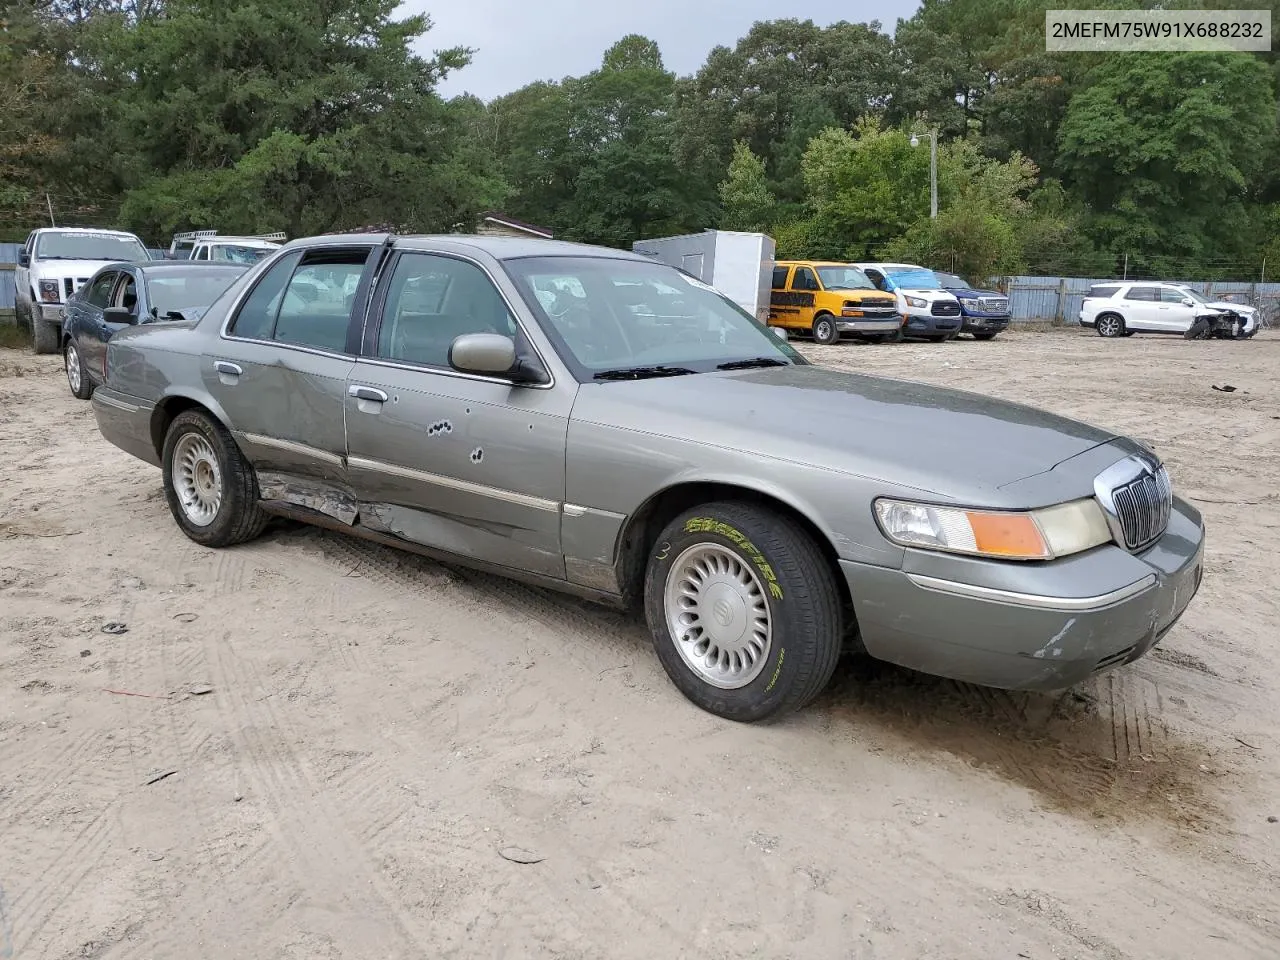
x=471, y=466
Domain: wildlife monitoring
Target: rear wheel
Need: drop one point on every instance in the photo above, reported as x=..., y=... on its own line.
x=937, y=338
x=77, y=376
x=744, y=610
x=1111, y=325
x=211, y=489
x=824, y=329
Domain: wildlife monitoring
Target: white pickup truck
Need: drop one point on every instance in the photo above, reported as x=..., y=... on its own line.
x=52, y=265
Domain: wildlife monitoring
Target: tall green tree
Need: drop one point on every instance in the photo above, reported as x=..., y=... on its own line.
x=269, y=114
x=748, y=202
x=1164, y=150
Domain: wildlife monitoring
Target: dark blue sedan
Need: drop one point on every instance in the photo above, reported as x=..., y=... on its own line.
x=125, y=294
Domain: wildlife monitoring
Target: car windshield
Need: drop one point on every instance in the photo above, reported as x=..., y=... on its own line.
x=844, y=278
x=609, y=314
x=172, y=292
x=87, y=245
x=951, y=281
x=238, y=253
x=1199, y=298
x=914, y=278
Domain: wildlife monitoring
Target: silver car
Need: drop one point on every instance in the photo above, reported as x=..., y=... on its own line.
x=589, y=420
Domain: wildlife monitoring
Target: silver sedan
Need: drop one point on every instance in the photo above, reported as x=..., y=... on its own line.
x=589, y=420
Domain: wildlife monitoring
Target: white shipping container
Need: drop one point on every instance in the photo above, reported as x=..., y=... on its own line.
x=738, y=264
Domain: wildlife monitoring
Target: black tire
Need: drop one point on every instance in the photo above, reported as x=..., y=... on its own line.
x=78, y=381
x=825, y=330
x=238, y=517
x=937, y=338
x=984, y=336
x=45, y=335
x=1110, y=325
x=1129, y=333
x=798, y=587
x=1197, y=329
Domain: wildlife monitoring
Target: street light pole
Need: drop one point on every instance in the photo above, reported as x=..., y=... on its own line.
x=933, y=173
x=933, y=170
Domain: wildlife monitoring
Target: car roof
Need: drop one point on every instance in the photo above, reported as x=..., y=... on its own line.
x=500, y=248
x=892, y=266
x=818, y=263
x=189, y=266
x=102, y=230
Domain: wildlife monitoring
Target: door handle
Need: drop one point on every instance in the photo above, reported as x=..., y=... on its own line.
x=228, y=372
x=368, y=393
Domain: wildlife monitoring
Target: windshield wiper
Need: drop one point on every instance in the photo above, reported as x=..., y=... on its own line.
x=642, y=373
x=752, y=362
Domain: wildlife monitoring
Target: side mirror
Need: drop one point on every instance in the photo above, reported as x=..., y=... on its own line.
x=119, y=315
x=490, y=354
x=780, y=333
x=1188, y=302
x=24, y=258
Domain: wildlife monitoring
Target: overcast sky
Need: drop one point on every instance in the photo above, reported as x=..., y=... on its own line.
x=519, y=41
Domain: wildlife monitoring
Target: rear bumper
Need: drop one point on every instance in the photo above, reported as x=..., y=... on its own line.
x=125, y=422
x=1044, y=636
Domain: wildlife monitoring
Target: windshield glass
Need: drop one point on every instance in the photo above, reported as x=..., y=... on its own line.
x=952, y=281
x=196, y=290
x=844, y=278
x=915, y=278
x=606, y=314
x=1199, y=298
x=238, y=253
x=87, y=245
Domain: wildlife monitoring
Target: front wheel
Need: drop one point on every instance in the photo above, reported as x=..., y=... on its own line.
x=211, y=489
x=1111, y=325
x=77, y=376
x=744, y=611
x=984, y=336
x=825, y=330
x=45, y=335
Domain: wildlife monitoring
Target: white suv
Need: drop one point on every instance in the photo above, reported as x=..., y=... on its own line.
x=52, y=265
x=1123, y=308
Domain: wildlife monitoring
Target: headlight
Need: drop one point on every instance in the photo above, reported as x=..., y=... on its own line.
x=49, y=291
x=1043, y=534
x=969, y=304
x=916, y=302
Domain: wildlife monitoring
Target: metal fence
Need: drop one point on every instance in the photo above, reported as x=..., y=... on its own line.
x=1058, y=299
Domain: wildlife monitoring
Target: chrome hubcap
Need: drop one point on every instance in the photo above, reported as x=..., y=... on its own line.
x=73, y=367
x=718, y=615
x=1109, y=327
x=197, y=479
x=824, y=330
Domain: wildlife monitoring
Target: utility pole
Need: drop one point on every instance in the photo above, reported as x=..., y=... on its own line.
x=1126, y=266
x=933, y=170
x=49, y=203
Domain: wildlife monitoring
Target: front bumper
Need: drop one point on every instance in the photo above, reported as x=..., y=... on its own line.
x=1029, y=627
x=974, y=323
x=927, y=325
x=48, y=312
x=876, y=325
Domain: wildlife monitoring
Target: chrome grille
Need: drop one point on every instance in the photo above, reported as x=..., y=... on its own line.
x=994, y=304
x=1142, y=507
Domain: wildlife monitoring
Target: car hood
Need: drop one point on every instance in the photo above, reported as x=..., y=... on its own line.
x=930, y=295
x=954, y=444
x=75, y=269
x=1240, y=308
x=973, y=294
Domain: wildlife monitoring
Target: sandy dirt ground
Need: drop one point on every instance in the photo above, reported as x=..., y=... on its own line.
x=309, y=748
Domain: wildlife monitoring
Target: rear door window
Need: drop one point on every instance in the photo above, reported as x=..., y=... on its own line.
x=1103, y=291
x=1147, y=294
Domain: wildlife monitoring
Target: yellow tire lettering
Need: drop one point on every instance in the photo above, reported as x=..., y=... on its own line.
x=776, y=670
x=709, y=525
